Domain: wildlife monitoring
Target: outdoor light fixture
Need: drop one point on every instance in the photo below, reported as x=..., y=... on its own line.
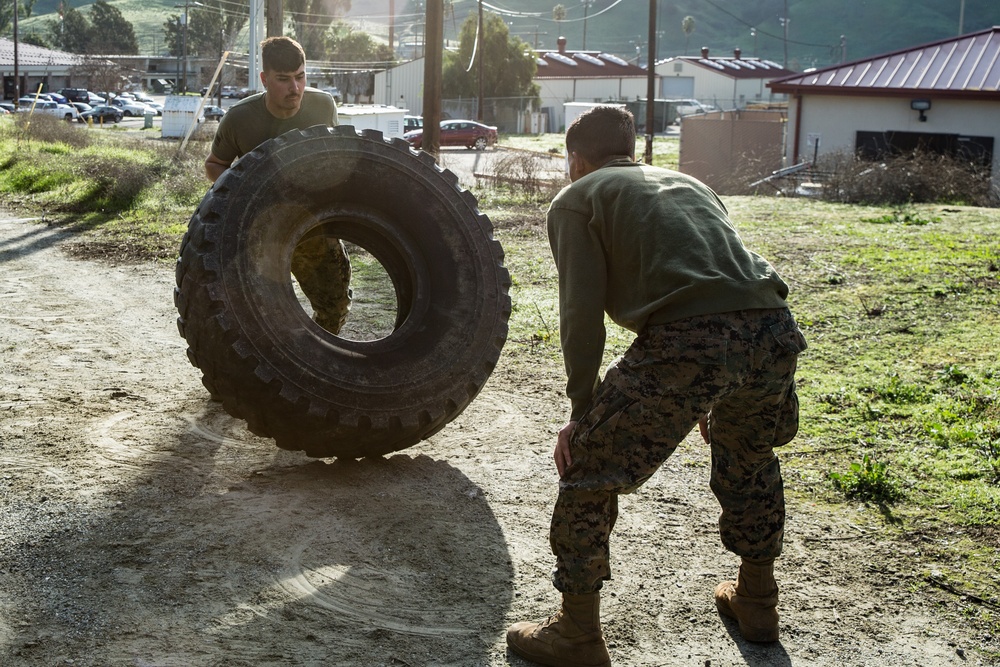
x=921, y=106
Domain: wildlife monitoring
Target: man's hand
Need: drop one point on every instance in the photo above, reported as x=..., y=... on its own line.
x=703, y=427
x=562, y=455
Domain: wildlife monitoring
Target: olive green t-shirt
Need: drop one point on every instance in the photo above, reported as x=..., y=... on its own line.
x=648, y=246
x=248, y=123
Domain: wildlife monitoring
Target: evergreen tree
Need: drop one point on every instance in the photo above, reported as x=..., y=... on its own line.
x=24, y=9
x=71, y=32
x=212, y=28
x=311, y=19
x=110, y=32
x=508, y=63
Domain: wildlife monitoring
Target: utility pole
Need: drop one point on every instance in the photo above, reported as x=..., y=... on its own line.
x=255, y=34
x=479, y=65
x=784, y=24
x=961, y=18
x=17, y=75
x=275, y=18
x=586, y=8
x=650, y=84
x=433, y=63
x=392, y=25
x=184, y=52
x=184, y=42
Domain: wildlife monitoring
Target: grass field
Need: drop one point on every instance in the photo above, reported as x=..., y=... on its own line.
x=900, y=387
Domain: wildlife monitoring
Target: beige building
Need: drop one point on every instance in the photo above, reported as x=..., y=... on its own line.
x=943, y=96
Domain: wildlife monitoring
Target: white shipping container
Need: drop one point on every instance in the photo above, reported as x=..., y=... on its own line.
x=373, y=117
x=179, y=113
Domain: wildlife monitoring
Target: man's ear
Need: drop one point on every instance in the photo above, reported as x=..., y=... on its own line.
x=263, y=79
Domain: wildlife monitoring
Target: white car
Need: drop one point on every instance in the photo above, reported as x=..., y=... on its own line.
x=131, y=107
x=689, y=107
x=51, y=108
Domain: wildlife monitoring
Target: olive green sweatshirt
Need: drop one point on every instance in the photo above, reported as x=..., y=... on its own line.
x=248, y=123
x=648, y=246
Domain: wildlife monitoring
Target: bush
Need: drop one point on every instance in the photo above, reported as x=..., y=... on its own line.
x=50, y=130
x=523, y=172
x=867, y=480
x=917, y=177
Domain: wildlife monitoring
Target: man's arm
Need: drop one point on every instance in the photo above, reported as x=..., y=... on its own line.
x=214, y=167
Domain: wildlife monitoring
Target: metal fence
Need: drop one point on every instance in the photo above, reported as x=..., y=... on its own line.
x=511, y=115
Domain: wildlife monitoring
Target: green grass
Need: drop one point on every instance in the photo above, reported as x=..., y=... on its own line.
x=666, y=150
x=899, y=389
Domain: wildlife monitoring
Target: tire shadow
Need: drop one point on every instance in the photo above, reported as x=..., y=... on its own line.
x=220, y=549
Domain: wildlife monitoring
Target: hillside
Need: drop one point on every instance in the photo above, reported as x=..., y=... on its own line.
x=814, y=27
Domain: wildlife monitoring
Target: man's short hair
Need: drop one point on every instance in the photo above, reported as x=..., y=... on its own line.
x=281, y=54
x=601, y=133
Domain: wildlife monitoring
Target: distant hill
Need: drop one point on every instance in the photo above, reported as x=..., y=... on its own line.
x=815, y=27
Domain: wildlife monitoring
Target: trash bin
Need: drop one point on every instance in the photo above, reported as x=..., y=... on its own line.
x=149, y=120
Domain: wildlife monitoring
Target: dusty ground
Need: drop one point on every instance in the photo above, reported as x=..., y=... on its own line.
x=143, y=526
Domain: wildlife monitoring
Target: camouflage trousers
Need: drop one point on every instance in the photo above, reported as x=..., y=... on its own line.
x=323, y=269
x=739, y=369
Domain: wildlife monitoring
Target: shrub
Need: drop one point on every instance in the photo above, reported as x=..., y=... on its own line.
x=867, y=480
x=917, y=177
x=50, y=130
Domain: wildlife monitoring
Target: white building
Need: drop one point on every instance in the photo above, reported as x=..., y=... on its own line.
x=402, y=87
x=943, y=96
x=727, y=82
x=584, y=76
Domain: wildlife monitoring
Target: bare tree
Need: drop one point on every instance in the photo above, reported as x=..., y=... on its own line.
x=101, y=74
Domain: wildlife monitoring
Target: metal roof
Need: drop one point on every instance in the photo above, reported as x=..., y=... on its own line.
x=29, y=55
x=734, y=67
x=967, y=66
x=583, y=65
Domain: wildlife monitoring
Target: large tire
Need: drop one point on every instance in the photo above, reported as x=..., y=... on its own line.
x=291, y=380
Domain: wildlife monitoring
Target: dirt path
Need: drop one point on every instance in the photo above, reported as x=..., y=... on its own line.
x=142, y=526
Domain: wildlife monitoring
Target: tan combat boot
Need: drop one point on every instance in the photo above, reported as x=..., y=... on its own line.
x=752, y=600
x=571, y=638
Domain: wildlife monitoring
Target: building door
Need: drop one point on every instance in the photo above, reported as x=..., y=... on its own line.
x=676, y=87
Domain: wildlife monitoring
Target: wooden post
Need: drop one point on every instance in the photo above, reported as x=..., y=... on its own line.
x=650, y=84
x=275, y=18
x=433, y=67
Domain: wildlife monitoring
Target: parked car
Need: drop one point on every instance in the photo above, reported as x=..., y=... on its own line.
x=93, y=99
x=103, y=113
x=49, y=107
x=130, y=107
x=76, y=94
x=212, y=112
x=8, y=106
x=82, y=107
x=690, y=107
x=467, y=133
x=411, y=123
x=155, y=106
x=142, y=97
